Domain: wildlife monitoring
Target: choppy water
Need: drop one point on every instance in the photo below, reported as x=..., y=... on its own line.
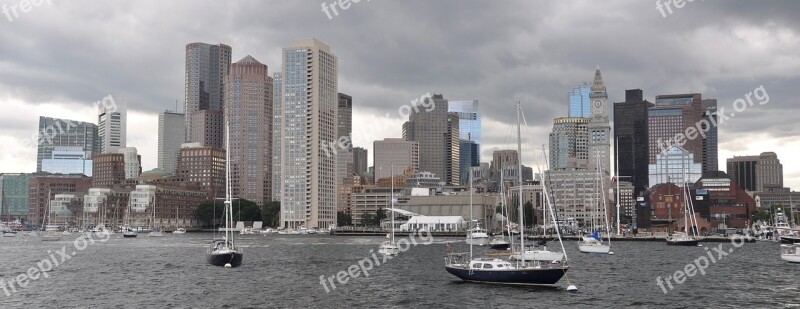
x=284, y=272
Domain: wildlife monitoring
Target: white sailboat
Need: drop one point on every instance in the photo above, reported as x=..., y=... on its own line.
x=594, y=243
x=127, y=232
x=500, y=242
x=49, y=231
x=179, y=230
x=689, y=236
x=390, y=247
x=155, y=231
x=476, y=236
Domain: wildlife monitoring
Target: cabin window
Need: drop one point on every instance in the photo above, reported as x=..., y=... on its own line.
x=477, y=265
x=487, y=265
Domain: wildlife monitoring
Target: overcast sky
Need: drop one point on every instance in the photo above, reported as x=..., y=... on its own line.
x=58, y=59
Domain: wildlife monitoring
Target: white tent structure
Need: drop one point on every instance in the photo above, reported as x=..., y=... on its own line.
x=434, y=223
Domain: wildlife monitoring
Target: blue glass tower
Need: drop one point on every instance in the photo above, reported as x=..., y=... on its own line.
x=579, y=102
x=469, y=128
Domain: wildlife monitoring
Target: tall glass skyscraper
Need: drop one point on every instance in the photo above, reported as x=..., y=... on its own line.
x=579, y=102
x=277, y=115
x=310, y=108
x=469, y=129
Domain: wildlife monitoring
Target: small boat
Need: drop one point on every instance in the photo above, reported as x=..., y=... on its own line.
x=593, y=244
x=9, y=233
x=50, y=232
x=387, y=248
x=155, y=234
x=790, y=253
x=499, y=243
x=478, y=236
x=682, y=239
x=128, y=233
x=790, y=238
x=180, y=230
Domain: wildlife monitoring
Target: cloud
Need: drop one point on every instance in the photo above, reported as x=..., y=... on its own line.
x=65, y=55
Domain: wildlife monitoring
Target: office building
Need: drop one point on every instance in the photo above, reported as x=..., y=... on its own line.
x=204, y=165
x=469, y=131
x=579, y=102
x=677, y=166
x=13, y=195
x=670, y=116
x=277, y=115
x=569, y=143
x=170, y=137
x=68, y=160
x=710, y=139
x=403, y=154
x=761, y=173
x=248, y=113
x=208, y=128
x=310, y=105
x=206, y=67
x=437, y=133
x=344, y=156
x=360, y=161
x=43, y=187
x=55, y=132
x=631, y=139
x=112, y=122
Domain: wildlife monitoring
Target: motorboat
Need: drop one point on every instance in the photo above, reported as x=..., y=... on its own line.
x=790, y=253
x=681, y=239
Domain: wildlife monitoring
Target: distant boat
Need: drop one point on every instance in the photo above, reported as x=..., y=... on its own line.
x=389, y=247
x=790, y=253
x=477, y=236
x=689, y=224
x=223, y=252
x=127, y=232
x=594, y=243
x=154, y=230
x=50, y=232
x=180, y=230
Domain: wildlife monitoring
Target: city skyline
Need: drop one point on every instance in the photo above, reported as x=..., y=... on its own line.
x=542, y=88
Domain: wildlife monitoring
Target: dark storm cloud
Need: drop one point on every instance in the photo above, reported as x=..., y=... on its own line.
x=391, y=52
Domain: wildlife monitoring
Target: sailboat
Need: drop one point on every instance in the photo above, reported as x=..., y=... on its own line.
x=50, y=232
x=540, y=252
x=179, y=230
x=499, y=242
x=690, y=226
x=390, y=247
x=154, y=231
x=499, y=271
x=593, y=243
x=223, y=251
x=127, y=232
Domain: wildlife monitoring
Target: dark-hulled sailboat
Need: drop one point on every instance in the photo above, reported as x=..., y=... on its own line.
x=223, y=251
x=499, y=271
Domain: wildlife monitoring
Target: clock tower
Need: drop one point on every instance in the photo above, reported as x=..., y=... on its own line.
x=599, y=127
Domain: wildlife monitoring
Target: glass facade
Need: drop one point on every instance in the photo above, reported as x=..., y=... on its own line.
x=469, y=131
x=277, y=114
x=579, y=105
x=675, y=166
x=55, y=133
x=14, y=201
x=68, y=160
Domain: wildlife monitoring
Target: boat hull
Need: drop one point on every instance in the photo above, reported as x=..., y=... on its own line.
x=544, y=276
x=126, y=235
x=479, y=241
x=690, y=243
x=600, y=249
x=220, y=259
x=500, y=246
x=790, y=240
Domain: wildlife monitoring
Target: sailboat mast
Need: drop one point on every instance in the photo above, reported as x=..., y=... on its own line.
x=616, y=170
x=519, y=177
x=471, y=239
x=391, y=195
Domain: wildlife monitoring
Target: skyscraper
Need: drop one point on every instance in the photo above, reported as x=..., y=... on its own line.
x=402, y=153
x=277, y=115
x=360, y=160
x=469, y=130
x=310, y=106
x=248, y=115
x=569, y=143
x=55, y=132
x=112, y=126
x=710, y=153
x=631, y=139
x=344, y=157
x=579, y=105
x=761, y=173
x=670, y=116
x=206, y=67
x=437, y=134
x=170, y=137
x=742, y=170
